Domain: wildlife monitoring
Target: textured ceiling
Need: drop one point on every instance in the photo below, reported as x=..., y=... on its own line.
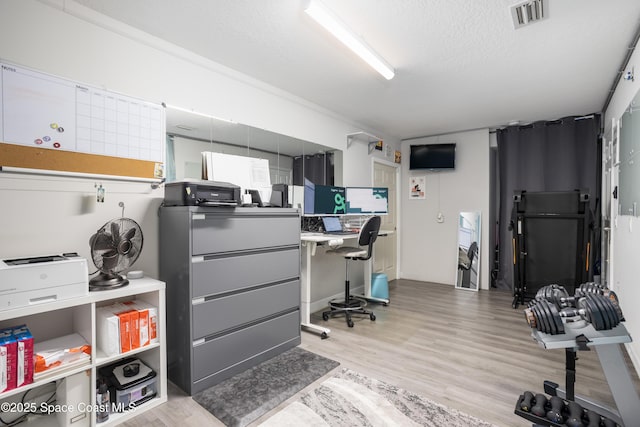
x=460, y=64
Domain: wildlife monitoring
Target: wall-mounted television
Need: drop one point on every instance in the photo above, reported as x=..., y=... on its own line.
x=433, y=156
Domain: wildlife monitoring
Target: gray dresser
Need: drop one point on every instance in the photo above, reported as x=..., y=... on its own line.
x=233, y=289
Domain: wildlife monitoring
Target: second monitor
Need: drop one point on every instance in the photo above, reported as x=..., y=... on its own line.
x=367, y=200
x=329, y=200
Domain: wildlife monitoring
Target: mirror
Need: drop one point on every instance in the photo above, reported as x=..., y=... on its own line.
x=629, y=176
x=189, y=134
x=468, y=270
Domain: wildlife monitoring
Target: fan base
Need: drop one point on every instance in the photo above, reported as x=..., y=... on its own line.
x=105, y=281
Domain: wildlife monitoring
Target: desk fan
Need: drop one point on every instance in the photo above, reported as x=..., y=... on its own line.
x=114, y=248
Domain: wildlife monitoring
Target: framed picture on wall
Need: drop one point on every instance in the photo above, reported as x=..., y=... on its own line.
x=416, y=187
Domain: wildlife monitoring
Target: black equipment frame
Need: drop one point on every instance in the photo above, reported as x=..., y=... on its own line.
x=551, y=209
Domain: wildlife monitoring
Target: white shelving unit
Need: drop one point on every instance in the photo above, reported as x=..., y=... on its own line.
x=78, y=315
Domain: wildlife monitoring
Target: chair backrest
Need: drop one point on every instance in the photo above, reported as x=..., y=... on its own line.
x=471, y=253
x=369, y=234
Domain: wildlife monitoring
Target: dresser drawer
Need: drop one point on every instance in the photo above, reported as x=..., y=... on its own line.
x=218, y=314
x=223, y=352
x=219, y=233
x=224, y=274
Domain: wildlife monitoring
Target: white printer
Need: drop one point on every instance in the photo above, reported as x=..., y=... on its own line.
x=29, y=281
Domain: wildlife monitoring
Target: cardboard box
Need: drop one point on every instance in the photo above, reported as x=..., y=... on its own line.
x=143, y=322
x=125, y=326
x=125, y=329
x=24, y=355
x=8, y=359
x=148, y=314
x=134, y=329
x=108, y=330
x=118, y=328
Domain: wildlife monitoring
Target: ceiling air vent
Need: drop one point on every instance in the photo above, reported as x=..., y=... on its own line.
x=528, y=12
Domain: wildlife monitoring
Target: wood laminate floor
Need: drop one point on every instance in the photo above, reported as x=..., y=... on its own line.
x=467, y=350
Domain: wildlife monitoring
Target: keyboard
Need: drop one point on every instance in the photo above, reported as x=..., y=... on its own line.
x=341, y=233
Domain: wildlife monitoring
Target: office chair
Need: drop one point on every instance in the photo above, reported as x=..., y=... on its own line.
x=350, y=304
x=466, y=267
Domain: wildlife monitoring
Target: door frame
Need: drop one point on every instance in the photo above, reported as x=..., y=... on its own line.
x=397, y=207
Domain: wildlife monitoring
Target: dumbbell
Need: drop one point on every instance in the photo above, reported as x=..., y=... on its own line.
x=555, y=413
x=592, y=418
x=596, y=288
x=613, y=298
x=544, y=316
x=595, y=420
x=599, y=311
x=538, y=408
x=527, y=401
x=589, y=288
x=574, y=419
x=555, y=294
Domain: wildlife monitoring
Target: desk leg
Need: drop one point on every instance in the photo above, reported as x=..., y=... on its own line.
x=309, y=249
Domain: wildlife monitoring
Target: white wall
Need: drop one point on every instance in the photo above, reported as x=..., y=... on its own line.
x=626, y=229
x=429, y=250
x=54, y=215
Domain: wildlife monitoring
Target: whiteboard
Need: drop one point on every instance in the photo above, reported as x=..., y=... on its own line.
x=44, y=111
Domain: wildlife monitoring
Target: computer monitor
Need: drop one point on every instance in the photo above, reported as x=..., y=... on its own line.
x=309, y=197
x=255, y=197
x=331, y=224
x=279, y=195
x=329, y=200
x=367, y=200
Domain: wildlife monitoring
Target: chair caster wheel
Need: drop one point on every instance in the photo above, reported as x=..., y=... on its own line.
x=325, y=316
x=350, y=323
x=324, y=336
x=372, y=316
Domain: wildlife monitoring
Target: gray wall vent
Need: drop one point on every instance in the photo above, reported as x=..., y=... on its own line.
x=528, y=12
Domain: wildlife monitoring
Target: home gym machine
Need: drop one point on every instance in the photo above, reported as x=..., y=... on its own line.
x=551, y=241
x=588, y=319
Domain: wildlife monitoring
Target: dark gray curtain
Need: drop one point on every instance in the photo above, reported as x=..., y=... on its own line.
x=560, y=155
x=317, y=168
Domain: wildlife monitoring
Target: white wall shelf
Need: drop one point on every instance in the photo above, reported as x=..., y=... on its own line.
x=371, y=140
x=78, y=315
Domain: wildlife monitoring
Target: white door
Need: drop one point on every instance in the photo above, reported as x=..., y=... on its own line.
x=385, y=250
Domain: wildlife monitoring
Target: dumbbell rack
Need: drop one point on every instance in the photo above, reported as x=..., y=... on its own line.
x=607, y=345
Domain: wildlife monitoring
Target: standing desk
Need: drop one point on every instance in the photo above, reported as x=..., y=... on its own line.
x=310, y=242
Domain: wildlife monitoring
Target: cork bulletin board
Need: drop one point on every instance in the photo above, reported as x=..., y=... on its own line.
x=56, y=124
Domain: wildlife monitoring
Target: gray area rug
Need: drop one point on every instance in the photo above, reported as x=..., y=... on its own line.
x=350, y=399
x=241, y=399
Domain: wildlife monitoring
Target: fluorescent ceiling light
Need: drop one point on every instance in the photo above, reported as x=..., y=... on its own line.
x=209, y=116
x=331, y=23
